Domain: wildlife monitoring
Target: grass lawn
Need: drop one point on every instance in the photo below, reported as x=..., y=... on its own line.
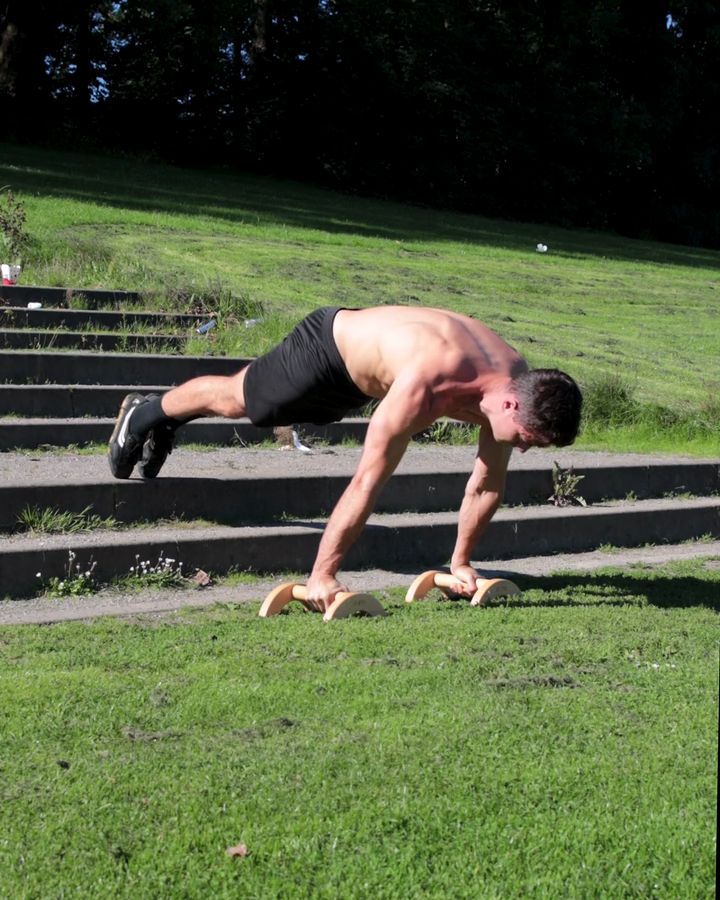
x=561, y=744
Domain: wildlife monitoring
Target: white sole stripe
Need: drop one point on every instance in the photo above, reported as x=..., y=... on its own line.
x=123, y=431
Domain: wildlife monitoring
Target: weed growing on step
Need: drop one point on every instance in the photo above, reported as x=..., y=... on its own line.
x=165, y=573
x=76, y=582
x=235, y=576
x=565, y=485
x=706, y=538
x=89, y=449
x=76, y=300
x=49, y=520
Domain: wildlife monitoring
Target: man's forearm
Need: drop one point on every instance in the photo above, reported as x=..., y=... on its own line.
x=476, y=511
x=395, y=420
x=343, y=528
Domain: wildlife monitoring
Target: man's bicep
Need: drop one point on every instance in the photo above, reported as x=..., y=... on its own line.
x=404, y=410
x=397, y=417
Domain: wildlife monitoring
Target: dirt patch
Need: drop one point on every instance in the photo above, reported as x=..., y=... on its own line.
x=530, y=681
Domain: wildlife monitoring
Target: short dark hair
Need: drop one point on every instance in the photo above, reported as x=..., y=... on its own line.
x=549, y=405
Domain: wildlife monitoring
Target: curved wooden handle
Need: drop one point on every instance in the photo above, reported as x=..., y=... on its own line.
x=433, y=578
x=444, y=580
x=299, y=592
x=348, y=604
x=491, y=588
x=345, y=604
x=485, y=588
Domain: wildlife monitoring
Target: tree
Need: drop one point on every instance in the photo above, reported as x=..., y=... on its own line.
x=598, y=113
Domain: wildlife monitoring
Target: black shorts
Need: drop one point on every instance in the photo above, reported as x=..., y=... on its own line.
x=303, y=379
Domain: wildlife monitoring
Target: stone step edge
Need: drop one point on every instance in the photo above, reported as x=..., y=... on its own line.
x=27, y=435
x=386, y=541
x=37, y=333
x=90, y=367
x=83, y=355
x=95, y=341
x=51, y=313
x=247, y=498
x=57, y=388
x=21, y=291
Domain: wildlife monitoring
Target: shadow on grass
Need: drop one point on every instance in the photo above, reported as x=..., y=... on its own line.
x=661, y=589
x=238, y=198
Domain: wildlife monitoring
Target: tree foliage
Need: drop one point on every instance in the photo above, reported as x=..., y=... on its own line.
x=597, y=113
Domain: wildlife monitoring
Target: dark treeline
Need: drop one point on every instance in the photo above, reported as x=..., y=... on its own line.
x=597, y=113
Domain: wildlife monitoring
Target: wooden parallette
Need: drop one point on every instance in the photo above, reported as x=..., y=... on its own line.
x=487, y=588
x=346, y=603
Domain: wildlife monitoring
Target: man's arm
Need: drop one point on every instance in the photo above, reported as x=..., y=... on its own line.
x=404, y=411
x=483, y=495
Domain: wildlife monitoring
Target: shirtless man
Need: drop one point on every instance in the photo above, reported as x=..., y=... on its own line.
x=421, y=364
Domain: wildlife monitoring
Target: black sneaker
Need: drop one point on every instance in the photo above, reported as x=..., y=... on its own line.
x=157, y=447
x=124, y=449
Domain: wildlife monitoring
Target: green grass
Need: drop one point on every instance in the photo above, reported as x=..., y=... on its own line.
x=89, y=449
x=50, y=520
x=561, y=745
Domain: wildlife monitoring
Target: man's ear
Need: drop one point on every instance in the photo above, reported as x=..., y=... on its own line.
x=510, y=404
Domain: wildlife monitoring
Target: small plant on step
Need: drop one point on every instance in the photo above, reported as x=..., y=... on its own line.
x=77, y=581
x=565, y=485
x=165, y=573
x=49, y=520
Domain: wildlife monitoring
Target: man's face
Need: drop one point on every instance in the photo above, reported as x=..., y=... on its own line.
x=524, y=440
x=513, y=432
x=508, y=429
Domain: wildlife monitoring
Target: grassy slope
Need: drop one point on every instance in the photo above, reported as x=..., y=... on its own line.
x=563, y=745
x=594, y=304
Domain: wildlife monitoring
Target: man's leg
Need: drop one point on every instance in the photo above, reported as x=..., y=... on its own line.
x=146, y=426
x=208, y=395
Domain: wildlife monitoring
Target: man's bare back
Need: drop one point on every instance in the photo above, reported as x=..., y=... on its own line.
x=456, y=356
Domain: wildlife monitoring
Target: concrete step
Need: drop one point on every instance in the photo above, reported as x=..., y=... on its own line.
x=103, y=320
x=388, y=541
x=33, y=403
x=62, y=401
x=241, y=486
x=31, y=434
x=39, y=367
x=92, y=298
x=20, y=339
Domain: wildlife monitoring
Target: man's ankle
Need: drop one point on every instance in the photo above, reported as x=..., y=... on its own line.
x=147, y=415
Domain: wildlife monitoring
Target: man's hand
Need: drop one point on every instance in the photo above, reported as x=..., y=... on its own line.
x=467, y=576
x=321, y=591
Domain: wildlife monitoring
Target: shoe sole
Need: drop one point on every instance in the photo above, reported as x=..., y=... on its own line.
x=142, y=471
x=128, y=403
x=156, y=466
